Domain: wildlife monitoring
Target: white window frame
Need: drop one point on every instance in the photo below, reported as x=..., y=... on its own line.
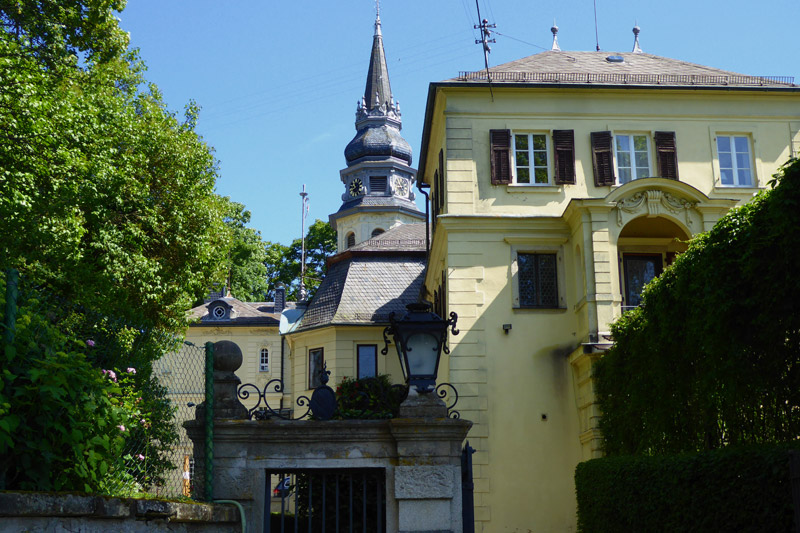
x=548, y=153
x=634, y=174
x=538, y=248
x=734, y=165
x=262, y=366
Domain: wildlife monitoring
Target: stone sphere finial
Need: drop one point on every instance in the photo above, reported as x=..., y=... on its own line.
x=227, y=356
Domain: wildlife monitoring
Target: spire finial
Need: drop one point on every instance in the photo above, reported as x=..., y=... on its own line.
x=377, y=17
x=636, y=30
x=554, y=29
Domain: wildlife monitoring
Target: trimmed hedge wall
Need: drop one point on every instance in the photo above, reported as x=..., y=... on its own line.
x=745, y=489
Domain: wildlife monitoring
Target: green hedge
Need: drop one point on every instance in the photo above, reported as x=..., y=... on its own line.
x=745, y=489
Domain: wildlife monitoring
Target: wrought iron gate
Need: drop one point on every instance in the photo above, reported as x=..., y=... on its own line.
x=329, y=500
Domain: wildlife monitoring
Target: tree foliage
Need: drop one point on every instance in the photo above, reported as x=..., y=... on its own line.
x=712, y=357
x=247, y=259
x=283, y=262
x=107, y=205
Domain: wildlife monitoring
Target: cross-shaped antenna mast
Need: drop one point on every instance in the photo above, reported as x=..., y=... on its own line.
x=485, y=39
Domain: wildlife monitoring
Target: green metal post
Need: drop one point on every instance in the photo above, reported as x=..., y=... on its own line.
x=209, y=455
x=10, y=318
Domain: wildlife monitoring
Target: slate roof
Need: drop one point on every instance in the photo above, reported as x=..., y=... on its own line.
x=379, y=202
x=248, y=314
x=593, y=68
x=371, y=280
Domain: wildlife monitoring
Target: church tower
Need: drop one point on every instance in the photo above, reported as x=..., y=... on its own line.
x=378, y=179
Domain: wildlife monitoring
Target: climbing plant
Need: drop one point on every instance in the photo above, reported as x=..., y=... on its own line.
x=712, y=357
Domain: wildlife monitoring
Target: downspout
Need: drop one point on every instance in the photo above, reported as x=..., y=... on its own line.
x=591, y=286
x=283, y=345
x=427, y=237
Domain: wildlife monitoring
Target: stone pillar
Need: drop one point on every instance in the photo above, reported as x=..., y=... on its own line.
x=227, y=359
x=427, y=480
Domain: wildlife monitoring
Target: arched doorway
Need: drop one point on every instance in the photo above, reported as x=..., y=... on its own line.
x=646, y=245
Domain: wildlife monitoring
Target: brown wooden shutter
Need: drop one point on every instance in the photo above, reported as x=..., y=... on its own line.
x=501, y=156
x=666, y=154
x=602, y=158
x=564, y=143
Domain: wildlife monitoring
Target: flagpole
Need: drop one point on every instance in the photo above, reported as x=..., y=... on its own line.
x=303, y=210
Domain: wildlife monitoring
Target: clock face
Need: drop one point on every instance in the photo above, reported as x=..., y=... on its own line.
x=401, y=187
x=356, y=187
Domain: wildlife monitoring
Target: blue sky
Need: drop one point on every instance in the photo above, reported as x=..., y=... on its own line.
x=278, y=81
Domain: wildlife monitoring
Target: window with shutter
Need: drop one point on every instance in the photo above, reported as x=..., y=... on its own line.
x=500, y=141
x=666, y=154
x=602, y=158
x=564, y=144
x=351, y=239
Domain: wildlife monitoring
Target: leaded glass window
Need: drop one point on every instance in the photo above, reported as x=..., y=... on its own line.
x=538, y=283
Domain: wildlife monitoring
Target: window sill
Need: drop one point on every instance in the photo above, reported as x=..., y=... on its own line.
x=749, y=190
x=540, y=309
x=521, y=187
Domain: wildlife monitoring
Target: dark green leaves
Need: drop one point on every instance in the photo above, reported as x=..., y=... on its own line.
x=712, y=358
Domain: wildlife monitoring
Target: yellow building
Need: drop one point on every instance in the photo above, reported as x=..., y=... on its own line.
x=254, y=327
x=560, y=184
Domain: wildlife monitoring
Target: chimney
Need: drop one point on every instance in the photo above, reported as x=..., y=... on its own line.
x=280, y=297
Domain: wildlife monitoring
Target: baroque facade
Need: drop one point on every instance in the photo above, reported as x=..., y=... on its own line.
x=561, y=183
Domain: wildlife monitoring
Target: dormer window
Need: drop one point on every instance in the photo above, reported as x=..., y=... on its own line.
x=219, y=310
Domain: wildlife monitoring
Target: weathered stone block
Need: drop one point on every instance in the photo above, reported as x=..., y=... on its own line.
x=423, y=482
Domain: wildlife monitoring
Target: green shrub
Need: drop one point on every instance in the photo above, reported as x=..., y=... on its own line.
x=712, y=357
x=741, y=489
x=66, y=424
x=369, y=398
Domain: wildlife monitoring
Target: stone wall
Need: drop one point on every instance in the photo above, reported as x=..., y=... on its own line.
x=53, y=512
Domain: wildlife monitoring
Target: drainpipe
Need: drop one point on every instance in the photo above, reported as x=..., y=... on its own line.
x=591, y=287
x=420, y=186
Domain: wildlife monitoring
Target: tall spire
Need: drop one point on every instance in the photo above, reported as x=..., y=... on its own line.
x=378, y=91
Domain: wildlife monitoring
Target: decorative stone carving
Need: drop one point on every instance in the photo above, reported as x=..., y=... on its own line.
x=653, y=202
x=422, y=482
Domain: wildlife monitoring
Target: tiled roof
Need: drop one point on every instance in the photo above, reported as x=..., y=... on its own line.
x=365, y=289
x=247, y=313
x=405, y=237
x=593, y=68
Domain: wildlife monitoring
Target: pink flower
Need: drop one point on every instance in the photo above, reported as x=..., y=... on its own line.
x=111, y=374
x=143, y=422
x=90, y=343
x=121, y=427
x=131, y=370
x=140, y=457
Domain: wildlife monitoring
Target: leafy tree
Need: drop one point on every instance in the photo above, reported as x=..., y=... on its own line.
x=712, y=357
x=247, y=257
x=107, y=204
x=283, y=263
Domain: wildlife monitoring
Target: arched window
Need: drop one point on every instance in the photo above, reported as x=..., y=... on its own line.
x=376, y=232
x=351, y=239
x=263, y=360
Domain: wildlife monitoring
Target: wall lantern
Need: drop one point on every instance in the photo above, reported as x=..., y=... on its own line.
x=419, y=336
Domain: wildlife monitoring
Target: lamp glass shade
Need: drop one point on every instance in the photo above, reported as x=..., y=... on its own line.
x=423, y=354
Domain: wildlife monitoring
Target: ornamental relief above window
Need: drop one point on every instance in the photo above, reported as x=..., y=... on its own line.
x=654, y=203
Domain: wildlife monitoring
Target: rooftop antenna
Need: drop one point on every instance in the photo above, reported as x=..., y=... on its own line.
x=303, y=212
x=486, y=33
x=596, y=35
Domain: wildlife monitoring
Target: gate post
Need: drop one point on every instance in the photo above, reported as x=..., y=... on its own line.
x=427, y=480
